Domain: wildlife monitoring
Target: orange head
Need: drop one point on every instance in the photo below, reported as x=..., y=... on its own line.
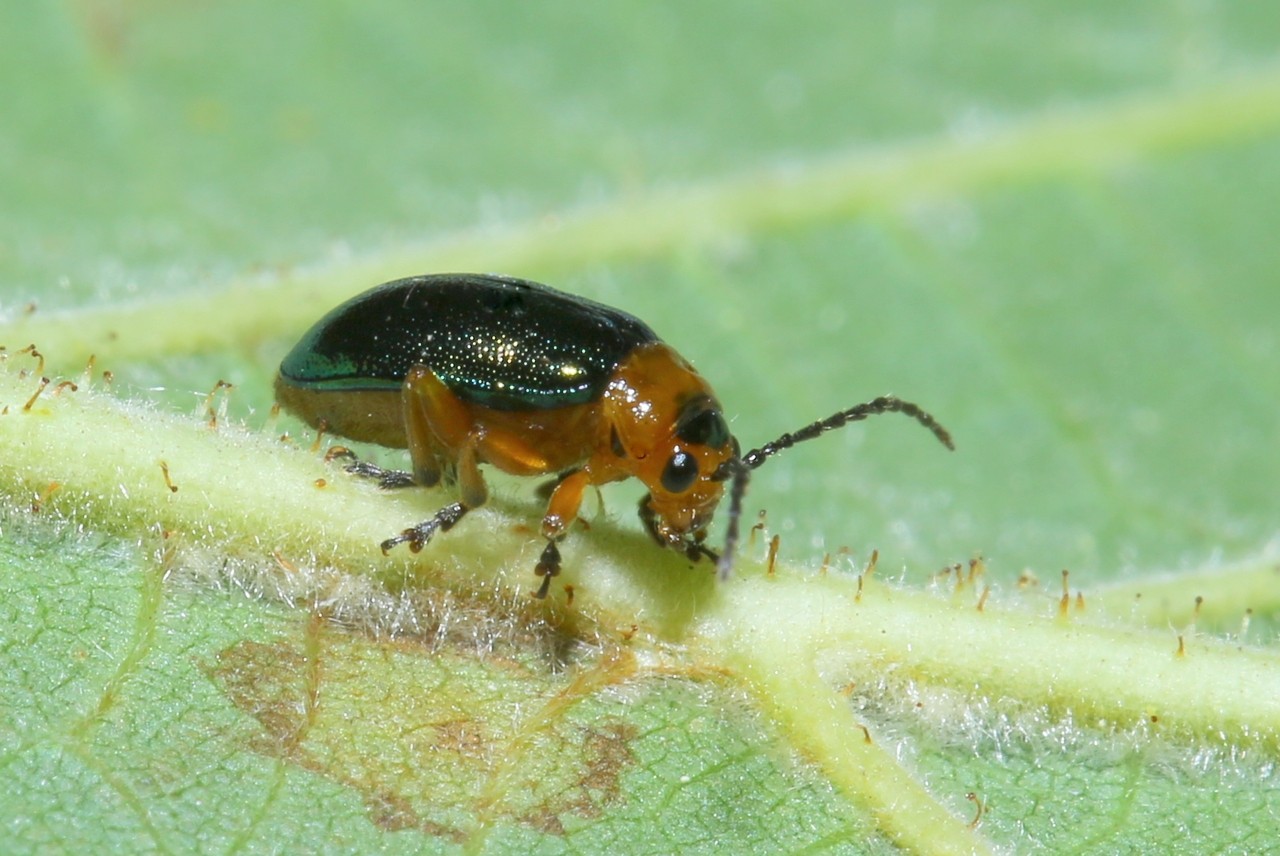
x=684, y=476
x=667, y=429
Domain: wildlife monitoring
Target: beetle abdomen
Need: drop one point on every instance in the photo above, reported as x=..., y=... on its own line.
x=500, y=342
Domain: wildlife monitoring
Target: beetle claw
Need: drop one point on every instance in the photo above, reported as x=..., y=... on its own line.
x=548, y=566
x=391, y=479
x=696, y=552
x=541, y=593
x=336, y=452
x=418, y=536
x=386, y=479
x=412, y=537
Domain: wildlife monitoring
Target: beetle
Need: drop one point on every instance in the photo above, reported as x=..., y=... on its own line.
x=465, y=369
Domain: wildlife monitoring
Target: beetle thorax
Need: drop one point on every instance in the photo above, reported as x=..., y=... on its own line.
x=666, y=429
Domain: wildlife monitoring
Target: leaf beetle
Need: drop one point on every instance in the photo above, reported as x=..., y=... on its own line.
x=465, y=369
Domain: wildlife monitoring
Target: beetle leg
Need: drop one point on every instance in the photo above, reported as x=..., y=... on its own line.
x=650, y=521
x=431, y=411
x=470, y=482
x=696, y=551
x=566, y=499
x=562, y=510
x=418, y=536
x=474, y=494
x=386, y=479
x=544, y=490
x=548, y=566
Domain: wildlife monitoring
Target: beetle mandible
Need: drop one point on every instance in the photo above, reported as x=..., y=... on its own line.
x=465, y=369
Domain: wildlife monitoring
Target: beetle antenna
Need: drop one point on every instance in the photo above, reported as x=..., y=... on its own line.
x=741, y=474
x=883, y=404
x=739, y=468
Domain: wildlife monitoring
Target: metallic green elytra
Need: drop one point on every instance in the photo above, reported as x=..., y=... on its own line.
x=501, y=342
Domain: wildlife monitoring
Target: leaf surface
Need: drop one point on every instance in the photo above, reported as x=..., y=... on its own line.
x=1050, y=226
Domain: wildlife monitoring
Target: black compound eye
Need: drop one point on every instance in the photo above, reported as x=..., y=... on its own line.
x=680, y=473
x=701, y=422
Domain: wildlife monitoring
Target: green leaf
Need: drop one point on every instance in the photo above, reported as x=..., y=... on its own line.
x=1050, y=226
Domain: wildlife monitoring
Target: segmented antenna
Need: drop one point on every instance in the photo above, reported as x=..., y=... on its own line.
x=739, y=468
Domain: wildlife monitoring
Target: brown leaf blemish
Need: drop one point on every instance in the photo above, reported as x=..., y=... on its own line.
x=463, y=736
x=607, y=752
x=268, y=682
x=576, y=775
